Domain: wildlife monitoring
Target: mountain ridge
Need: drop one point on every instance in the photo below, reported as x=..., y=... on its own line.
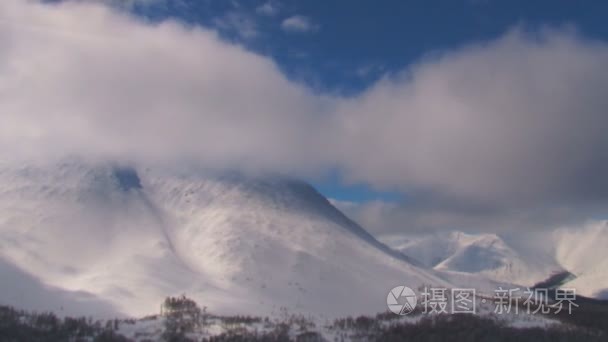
x=133, y=235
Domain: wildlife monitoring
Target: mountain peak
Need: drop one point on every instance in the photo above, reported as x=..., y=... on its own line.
x=237, y=243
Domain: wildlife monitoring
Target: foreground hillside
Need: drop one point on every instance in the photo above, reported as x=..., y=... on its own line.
x=94, y=238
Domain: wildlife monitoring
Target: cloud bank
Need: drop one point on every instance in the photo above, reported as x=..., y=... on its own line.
x=81, y=78
x=516, y=126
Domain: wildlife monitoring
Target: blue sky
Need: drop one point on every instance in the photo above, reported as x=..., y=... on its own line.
x=333, y=187
x=345, y=46
x=353, y=43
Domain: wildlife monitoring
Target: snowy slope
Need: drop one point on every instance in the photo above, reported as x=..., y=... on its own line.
x=584, y=252
x=481, y=254
x=130, y=237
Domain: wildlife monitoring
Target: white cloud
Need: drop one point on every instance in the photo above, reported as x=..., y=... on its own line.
x=268, y=9
x=238, y=23
x=81, y=78
x=343, y=205
x=299, y=24
x=426, y=215
x=518, y=121
x=132, y=3
x=516, y=125
x=367, y=70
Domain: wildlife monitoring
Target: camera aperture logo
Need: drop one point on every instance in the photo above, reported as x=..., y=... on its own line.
x=401, y=300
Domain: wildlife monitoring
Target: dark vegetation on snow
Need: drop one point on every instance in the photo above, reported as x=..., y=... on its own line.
x=181, y=319
x=555, y=280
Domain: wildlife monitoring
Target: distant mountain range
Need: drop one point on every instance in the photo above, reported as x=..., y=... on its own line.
x=579, y=254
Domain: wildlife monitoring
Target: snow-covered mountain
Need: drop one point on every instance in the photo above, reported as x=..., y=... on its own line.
x=584, y=252
x=128, y=237
x=483, y=254
x=527, y=261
